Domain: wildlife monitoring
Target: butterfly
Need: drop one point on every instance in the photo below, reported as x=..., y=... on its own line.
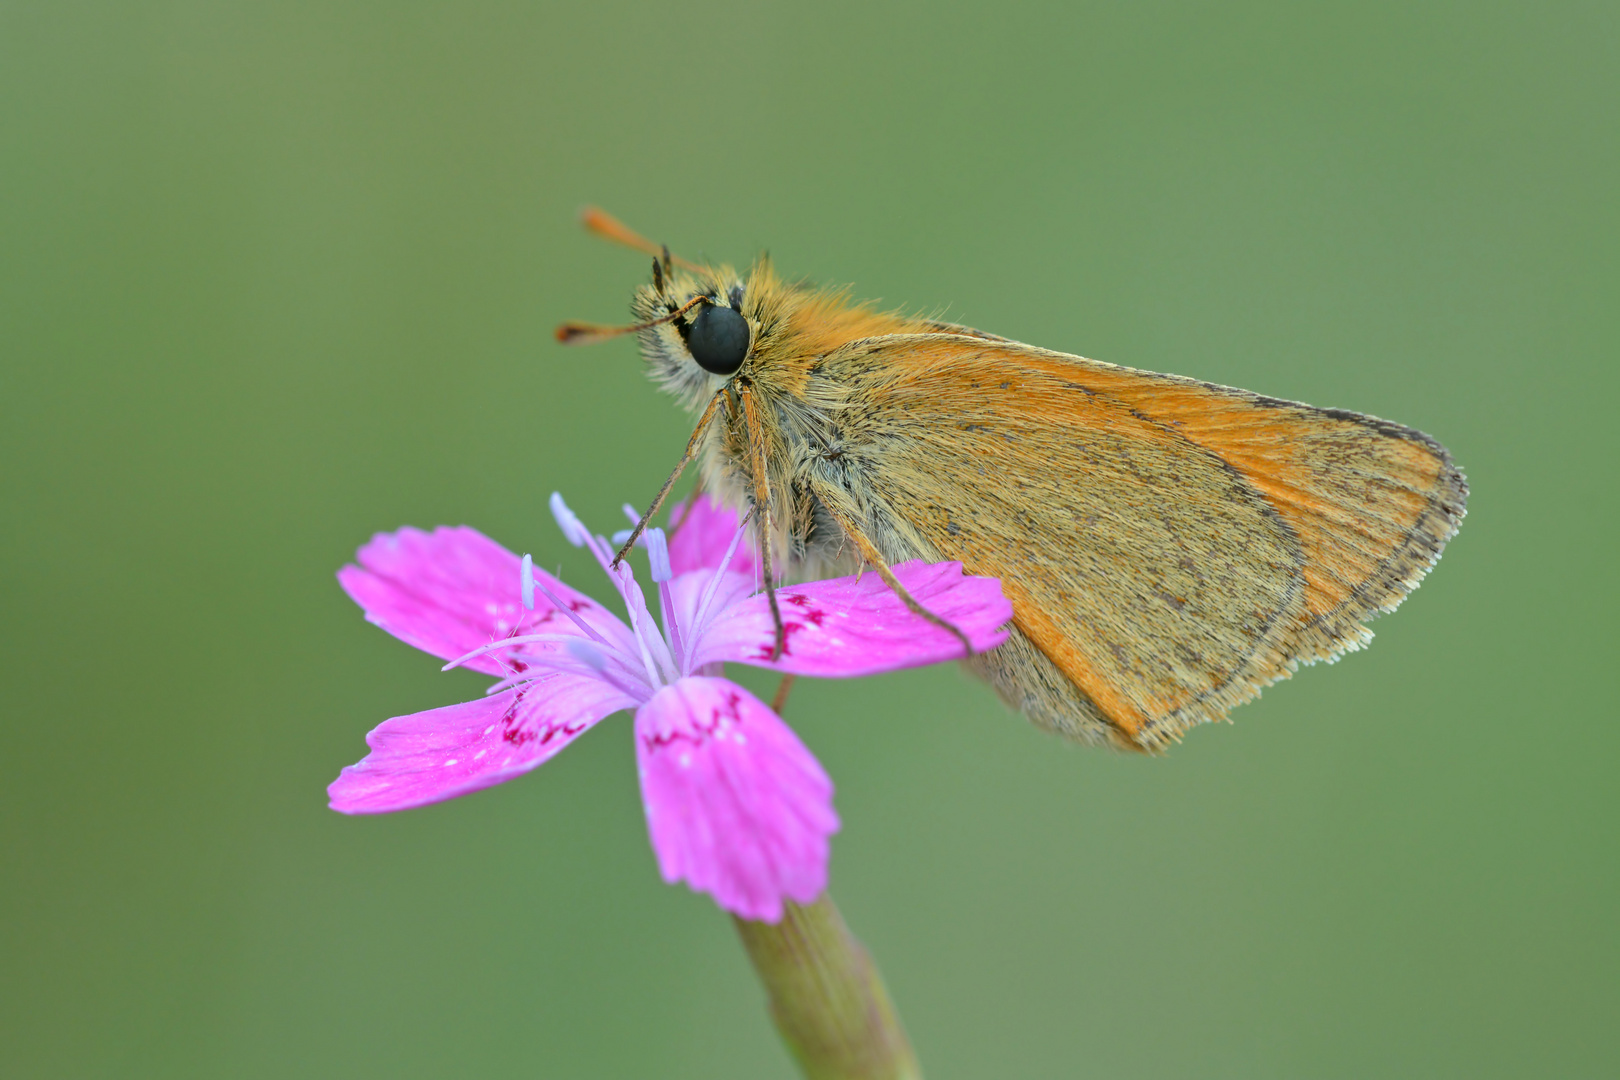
x=1169, y=546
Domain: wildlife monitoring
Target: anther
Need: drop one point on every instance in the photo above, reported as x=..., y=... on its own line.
x=572, y=528
x=658, y=555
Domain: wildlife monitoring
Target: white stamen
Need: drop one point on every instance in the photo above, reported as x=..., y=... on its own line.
x=606, y=664
x=660, y=653
x=528, y=582
x=598, y=663
x=742, y=527
x=647, y=637
x=571, y=527
x=587, y=654
x=658, y=555
x=714, y=582
x=557, y=603
x=672, y=625
x=624, y=580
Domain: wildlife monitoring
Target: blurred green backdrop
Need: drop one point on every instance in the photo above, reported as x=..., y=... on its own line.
x=276, y=276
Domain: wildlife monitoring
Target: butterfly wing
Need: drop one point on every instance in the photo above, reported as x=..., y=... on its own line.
x=1169, y=546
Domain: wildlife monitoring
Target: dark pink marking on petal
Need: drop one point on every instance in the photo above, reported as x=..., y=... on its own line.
x=736, y=806
x=431, y=756
x=768, y=649
x=845, y=627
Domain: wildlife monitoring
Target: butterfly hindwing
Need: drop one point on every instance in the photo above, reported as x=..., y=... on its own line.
x=1169, y=546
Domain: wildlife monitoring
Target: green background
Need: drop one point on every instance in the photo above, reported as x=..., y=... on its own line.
x=276, y=276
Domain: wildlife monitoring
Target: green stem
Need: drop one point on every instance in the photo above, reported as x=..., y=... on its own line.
x=827, y=996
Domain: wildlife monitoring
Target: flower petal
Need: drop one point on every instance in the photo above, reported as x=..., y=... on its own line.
x=845, y=627
x=452, y=590
x=736, y=806
x=705, y=535
x=711, y=591
x=431, y=756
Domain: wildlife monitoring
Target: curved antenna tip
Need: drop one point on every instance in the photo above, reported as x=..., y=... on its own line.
x=608, y=227
x=577, y=333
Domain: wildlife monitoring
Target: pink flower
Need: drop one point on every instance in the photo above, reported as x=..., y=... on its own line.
x=736, y=805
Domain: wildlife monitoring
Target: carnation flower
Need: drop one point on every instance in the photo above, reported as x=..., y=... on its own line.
x=736, y=805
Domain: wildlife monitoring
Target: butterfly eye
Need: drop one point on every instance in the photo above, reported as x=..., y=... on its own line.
x=718, y=340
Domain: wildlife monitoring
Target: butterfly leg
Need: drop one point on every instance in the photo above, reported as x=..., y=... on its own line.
x=680, y=466
x=762, y=503
x=870, y=554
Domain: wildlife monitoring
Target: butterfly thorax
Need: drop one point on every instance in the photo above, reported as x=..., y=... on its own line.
x=800, y=405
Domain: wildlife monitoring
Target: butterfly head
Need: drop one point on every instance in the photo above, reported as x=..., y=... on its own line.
x=697, y=329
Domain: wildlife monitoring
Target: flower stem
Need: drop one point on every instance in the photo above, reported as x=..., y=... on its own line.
x=782, y=689
x=827, y=996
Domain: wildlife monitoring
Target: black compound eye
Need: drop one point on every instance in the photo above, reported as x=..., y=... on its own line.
x=718, y=340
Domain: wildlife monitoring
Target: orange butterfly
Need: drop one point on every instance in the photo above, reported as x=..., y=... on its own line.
x=1169, y=546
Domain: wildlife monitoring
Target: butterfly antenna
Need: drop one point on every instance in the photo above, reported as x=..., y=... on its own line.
x=584, y=333
x=608, y=227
